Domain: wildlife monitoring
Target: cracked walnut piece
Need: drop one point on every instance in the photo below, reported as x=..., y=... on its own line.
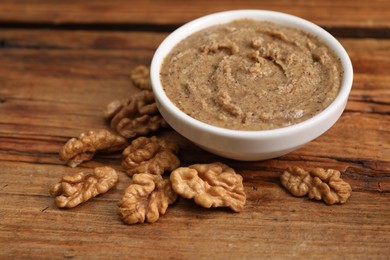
x=328, y=186
x=296, y=180
x=150, y=155
x=75, y=189
x=317, y=184
x=145, y=199
x=136, y=116
x=140, y=77
x=83, y=148
x=211, y=185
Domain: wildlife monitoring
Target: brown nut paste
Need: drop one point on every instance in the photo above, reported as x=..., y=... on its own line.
x=251, y=75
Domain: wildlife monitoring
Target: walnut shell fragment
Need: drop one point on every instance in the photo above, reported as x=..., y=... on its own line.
x=328, y=186
x=83, y=148
x=297, y=181
x=136, y=116
x=75, y=189
x=140, y=76
x=146, y=199
x=211, y=185
x=150, y=155
x=319, y=184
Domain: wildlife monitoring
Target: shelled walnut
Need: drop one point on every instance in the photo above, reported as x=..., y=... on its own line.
x=297, y=181
x=75, y=189
x=113, y=107
x=140, y=77
x=83, y=148
x=317, y=184
x=145, y=199
x=211, y=185
x=136, y=116
x=328, y=186
x=150, y=155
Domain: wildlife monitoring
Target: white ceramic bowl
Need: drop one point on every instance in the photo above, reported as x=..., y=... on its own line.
x=249, y=145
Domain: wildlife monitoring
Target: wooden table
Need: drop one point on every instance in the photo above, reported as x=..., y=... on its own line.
x=61, y=62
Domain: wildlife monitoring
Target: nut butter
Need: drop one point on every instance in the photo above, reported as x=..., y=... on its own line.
x=251, y=75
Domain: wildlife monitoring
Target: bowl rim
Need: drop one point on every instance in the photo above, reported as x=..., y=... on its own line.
x=277, y=17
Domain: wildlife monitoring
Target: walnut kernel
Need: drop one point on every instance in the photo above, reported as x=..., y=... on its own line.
x=317, y=184
x=140, y=77
x=75, y=189
x=328, y=186
x=145, y=199
x=211, y=185
x=297, y=181
x=83, y=148
x=136, y=116
x=150, y=155
x=113, y=107
x=141, y=125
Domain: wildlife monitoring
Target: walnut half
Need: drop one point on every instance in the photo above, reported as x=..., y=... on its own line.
x=328, y=186
x=297, y=181
x=75, y=189
x=136, y=116
x=150, y=155
x=83, y=148
x=140, y=76
x=145, y=199
x=317, y=184
x=211, y=185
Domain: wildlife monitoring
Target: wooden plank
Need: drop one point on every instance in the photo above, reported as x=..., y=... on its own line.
x=371, y=79
x=350, y=13
x=91, y=75
x=54, y=85
x=79, y=39
x=273, y=223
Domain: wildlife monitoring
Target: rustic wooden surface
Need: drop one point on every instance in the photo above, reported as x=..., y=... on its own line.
x=61, y=62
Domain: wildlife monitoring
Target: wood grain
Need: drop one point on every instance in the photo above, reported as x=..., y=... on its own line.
x=352, y=13
x=54, y=84
x=273, y=223
x=90, y=77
